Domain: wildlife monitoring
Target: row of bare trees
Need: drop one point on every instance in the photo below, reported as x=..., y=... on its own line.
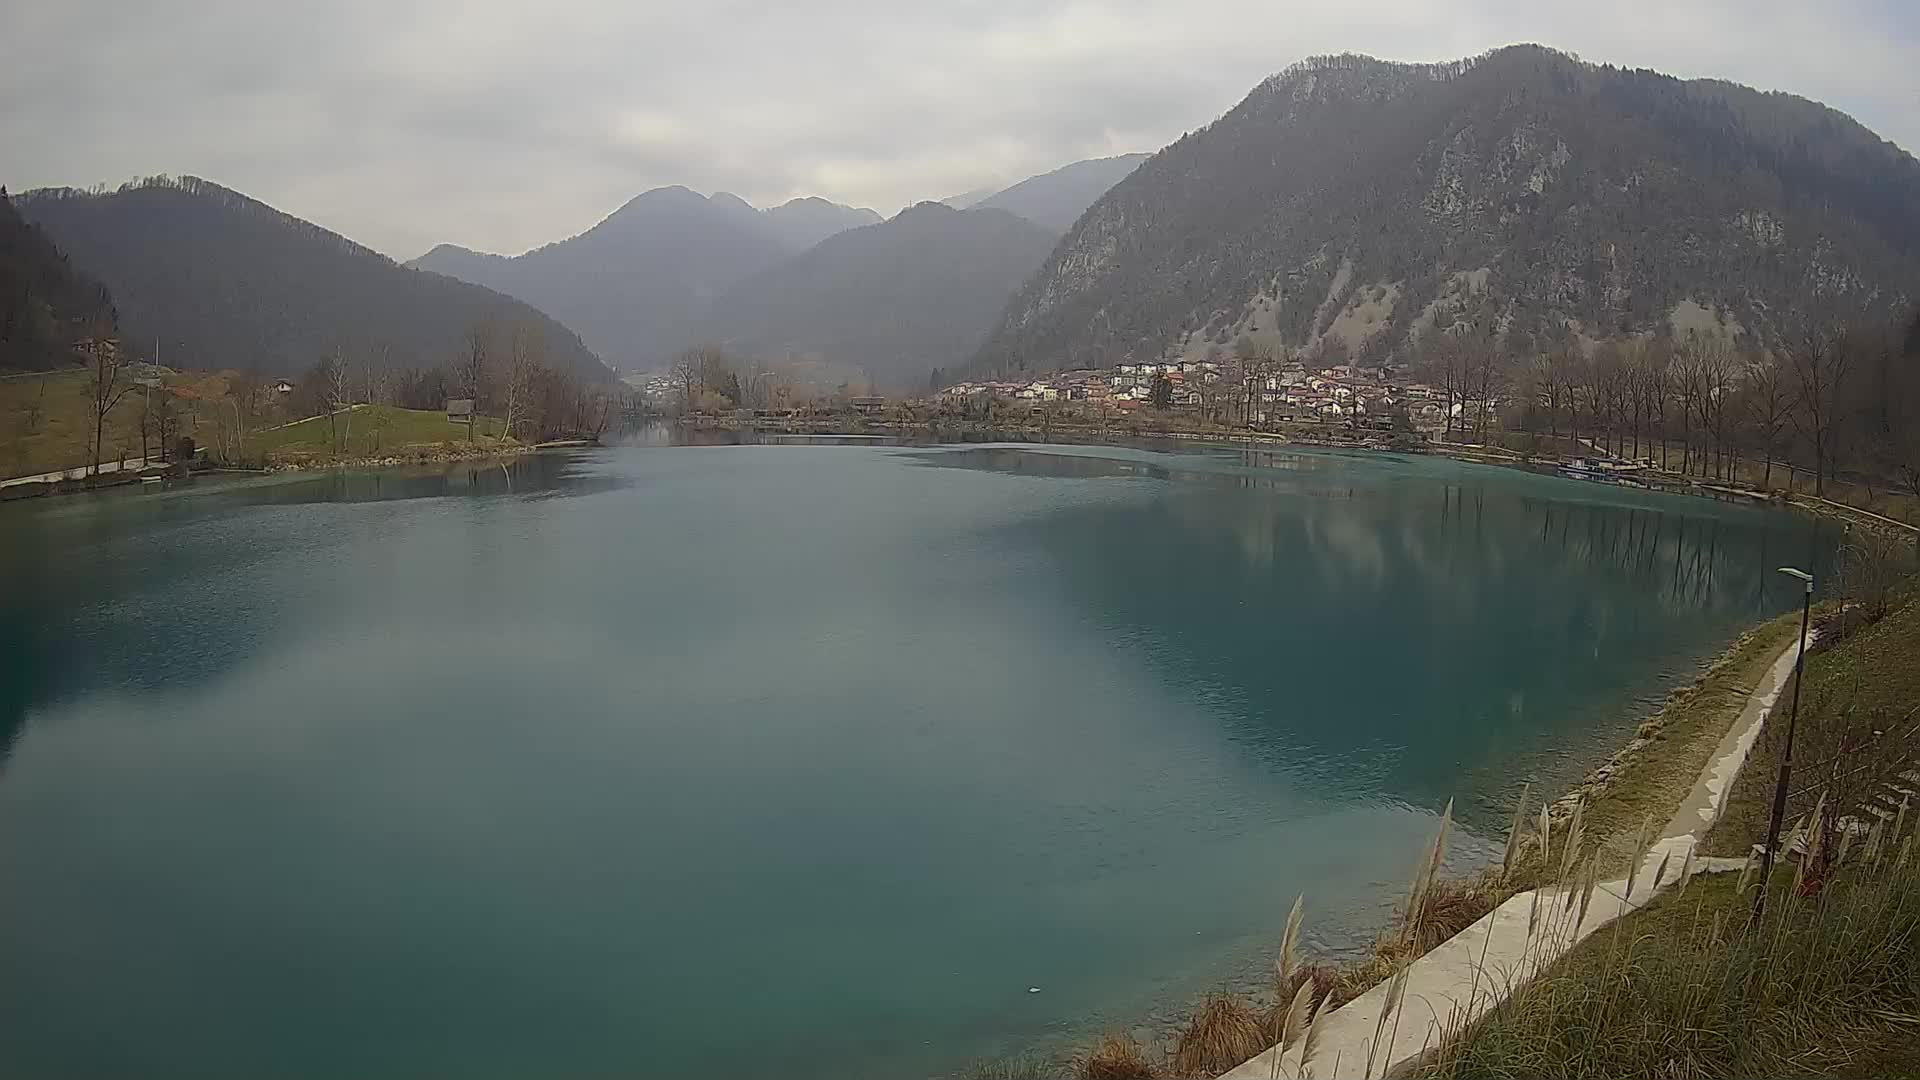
x=504, y=371
x=501, y=368
x=1829, y=402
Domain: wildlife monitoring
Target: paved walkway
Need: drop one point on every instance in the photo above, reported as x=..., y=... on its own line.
x=1469, y=974
x=78, y=472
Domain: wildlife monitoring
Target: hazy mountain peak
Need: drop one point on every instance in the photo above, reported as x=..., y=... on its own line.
x=893, y=299
x=803, y=222
x=927, y=207
x=969, y=198
x=1053, y=199
x=635, y=283
x=453, y=251
x=1057, y=199
x=665, y=195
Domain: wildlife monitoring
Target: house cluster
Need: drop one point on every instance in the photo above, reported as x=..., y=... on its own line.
x=1288, y=391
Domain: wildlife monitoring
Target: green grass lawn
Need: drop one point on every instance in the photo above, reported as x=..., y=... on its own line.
x=367, y=431
x=46, y=423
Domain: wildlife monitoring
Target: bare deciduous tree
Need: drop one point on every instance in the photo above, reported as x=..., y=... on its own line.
x=470, y=370
x=1769, y=400
x=106, y=386
x=525, y=356
x=1822, y=361
x=687, y=368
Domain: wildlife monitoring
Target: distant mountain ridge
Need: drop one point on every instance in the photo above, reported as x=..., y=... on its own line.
x=222, y=281
x=1348, y=204
x=636, y=284
x=1057, y=199
x=896, y=299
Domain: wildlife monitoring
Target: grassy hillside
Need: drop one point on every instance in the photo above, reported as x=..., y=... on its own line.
x=46, y=423
x=365, y=431
x=1867, y=681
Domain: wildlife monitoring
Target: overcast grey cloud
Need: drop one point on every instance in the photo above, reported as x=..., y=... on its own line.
x=503, y=126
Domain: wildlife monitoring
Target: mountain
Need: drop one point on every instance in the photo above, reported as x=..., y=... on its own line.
x=802, y=223
x=896, y=299
x=1057, y=199
x=969, y=199
x=224, y=281
x=1348, y=203
x=635, y=284
x=46, y=306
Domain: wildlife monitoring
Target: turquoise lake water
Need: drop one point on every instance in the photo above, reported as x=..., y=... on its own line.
x=804, y=761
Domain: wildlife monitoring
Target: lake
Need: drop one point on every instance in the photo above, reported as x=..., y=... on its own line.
x=809, y=761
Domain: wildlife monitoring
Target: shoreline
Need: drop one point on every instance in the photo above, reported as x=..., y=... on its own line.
x=1748, y=658
x=1376, y=442
x=436, y=454
x=1468, y=976
x=432, y=454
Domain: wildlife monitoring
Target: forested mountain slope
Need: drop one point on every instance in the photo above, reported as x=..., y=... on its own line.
x=46, y=305
x=221, y=281
x=1349, y=204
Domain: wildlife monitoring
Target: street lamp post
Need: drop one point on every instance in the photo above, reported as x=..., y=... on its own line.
x=1786, y=756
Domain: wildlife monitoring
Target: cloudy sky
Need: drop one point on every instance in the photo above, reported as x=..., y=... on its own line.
x=505, y=125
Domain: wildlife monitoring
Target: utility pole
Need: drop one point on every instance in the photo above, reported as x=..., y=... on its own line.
x=1786, y=755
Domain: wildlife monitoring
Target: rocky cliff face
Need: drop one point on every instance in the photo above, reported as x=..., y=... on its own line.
x=1349, y=204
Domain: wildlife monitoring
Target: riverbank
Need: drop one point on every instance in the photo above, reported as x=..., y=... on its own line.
x=1648, y=782
x=405, y=457
x=1820, y=979
x=428, y=454
x=1312, y=436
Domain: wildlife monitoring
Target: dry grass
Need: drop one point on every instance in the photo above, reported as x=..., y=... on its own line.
x=1449, y=907
x=1223, y=1033
x=1681, y=740
x=1118, y=1057
x=1872, y=671
x=1326, y=984
x=1014, y=1069
x=46, y=419
x=1822, y=980
x=1826, y=982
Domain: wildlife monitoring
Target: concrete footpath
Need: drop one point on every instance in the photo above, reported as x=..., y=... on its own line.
x=78, y=472
x=1464, y=977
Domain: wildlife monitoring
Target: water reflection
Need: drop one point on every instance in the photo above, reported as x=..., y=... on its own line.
x=72, y=567
x=1491, y=625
